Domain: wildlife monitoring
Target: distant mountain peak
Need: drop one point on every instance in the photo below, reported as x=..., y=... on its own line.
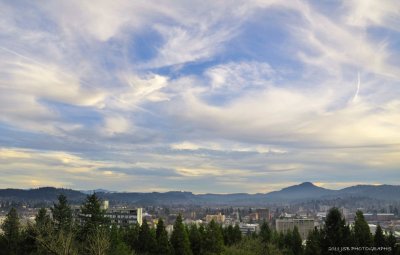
x=307, y=184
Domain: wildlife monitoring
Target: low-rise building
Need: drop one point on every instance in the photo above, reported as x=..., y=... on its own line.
x=218, y=218
x=125, y=217
x=263, y=214
x=248, y=229
x=303, y=225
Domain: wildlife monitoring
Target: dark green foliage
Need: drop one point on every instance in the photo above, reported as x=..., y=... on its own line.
x=251, y=246
x=62, y=213
x=391, y=242
x=42, y=222
x=335, y=232
x=265, y=236
x=163, y=245
x=28, y=244
x=92, y=216
x=379, y=238
x=12, y=232
x=179, y=238
x=146, y=240
x=237, y=234
x=362, y=234
x=296, y=245
x=131, y=236
x=46, y=236
x=265, y=233
x=214, y=241
x=196, y=240
x=117, y=244
x=120, y=249
x=313, y=243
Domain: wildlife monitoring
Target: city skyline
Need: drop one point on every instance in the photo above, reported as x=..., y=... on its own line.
x=218, y=97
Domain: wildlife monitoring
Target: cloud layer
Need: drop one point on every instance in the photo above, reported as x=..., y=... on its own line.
x=248, y=96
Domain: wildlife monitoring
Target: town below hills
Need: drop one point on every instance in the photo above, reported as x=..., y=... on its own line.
x=304, y=192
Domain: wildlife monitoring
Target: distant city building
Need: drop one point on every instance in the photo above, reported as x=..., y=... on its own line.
x=125, y=217
x=218, y=218
x=385, y=216
x=263, y=214
x=379, y=216
x=253, y=217
x=248, y=229
x=304, y=225
x=104, y=205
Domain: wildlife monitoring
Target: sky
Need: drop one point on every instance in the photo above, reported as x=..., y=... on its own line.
x=202, y=96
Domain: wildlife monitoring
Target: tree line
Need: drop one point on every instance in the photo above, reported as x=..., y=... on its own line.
x=93, y=234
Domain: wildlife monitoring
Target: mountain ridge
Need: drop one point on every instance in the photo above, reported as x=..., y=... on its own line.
x=301, y=192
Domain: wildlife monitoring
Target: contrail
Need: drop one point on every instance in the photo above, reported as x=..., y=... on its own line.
x=355, y=98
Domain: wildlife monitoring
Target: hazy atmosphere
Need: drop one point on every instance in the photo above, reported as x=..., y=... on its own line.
x=202, y=96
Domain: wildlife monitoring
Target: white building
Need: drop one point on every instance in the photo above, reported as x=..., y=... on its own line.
x=125, y=217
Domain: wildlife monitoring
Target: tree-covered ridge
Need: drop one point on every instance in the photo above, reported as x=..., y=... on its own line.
x=93, y=234
x=302, y=192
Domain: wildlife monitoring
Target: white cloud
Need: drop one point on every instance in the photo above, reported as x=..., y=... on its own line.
x=67, y=69
x=114, y=125
x=365, y=13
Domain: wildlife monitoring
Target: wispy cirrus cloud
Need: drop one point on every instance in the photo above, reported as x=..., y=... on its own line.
x=256, y=92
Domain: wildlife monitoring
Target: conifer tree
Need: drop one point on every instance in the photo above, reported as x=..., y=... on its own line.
x=196, y=240
x=335, y=232
x=42, y=222
x=379, y=238
x=62, y=213
x=237, y=234
x=362, y=234
x=265, y=236
x=313, y=243
x=132, y=236
x=297, y=246
x=117, y=244
x=92, y=215
x=163, y=245
x=11, y=229
x=146, y=240
x=214, y=241
x=391, y=242
x=179, y=238
x=265, y=233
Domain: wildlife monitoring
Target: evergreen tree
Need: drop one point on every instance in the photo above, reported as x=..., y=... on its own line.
x=92, y=215
x=62, y=213
x=163, y=245
x=117, y=244
x=28, y=243
x=265, y=236
x=132, y=236
x=391, y=242
x=42, y=222
x=265, y=233
x=288, y=239
x=313, y=243
x=227, y=233
x=297, y=246
x=214, y=242
x=362, y=234
x=146, y=240
x=237, y=234
x=179, y=238
x=196, y=240
x=379, y=238
x=335, y=232
x=11, y=229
